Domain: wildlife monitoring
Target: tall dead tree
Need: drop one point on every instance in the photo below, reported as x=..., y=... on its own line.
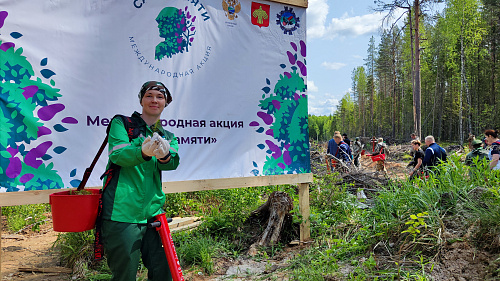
x=417, y=87
x=416, y=7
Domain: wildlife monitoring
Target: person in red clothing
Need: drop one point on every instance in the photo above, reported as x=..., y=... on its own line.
x=380, y=148
x=373, y=142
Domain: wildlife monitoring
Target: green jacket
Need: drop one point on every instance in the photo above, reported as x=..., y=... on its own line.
x=480, y=153
x=133, y=190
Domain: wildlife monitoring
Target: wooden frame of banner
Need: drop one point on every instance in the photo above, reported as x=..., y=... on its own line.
x=303, y=180
x=298, y=3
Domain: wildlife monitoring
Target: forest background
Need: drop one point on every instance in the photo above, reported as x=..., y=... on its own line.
x=432, y=74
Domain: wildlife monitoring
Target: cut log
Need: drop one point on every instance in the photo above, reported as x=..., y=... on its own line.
x=275, y=210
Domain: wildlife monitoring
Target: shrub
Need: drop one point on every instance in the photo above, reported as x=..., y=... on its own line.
x=20, y=217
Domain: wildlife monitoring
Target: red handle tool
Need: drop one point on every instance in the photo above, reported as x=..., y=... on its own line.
x=161, y=225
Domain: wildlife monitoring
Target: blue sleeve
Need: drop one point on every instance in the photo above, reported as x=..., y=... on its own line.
x=345, y=155
x=427, y=157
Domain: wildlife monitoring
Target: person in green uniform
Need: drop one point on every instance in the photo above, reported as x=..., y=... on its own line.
x=133, y=193
x=478, y=152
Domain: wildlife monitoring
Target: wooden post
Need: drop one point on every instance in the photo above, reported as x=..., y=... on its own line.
x=305, y=230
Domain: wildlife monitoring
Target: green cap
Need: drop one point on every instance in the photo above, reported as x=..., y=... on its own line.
x=476, y=142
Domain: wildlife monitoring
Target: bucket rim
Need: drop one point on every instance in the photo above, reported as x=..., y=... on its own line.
x=95, y=192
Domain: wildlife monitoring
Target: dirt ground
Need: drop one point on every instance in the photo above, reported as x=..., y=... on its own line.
x=31, y=250
x=458, y=261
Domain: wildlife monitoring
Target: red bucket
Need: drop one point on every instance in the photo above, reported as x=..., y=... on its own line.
x=74, y=213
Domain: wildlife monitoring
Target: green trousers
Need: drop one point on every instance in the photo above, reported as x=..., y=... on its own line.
x=125, y=243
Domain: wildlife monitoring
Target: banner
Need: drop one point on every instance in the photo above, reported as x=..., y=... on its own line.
x=236, y=71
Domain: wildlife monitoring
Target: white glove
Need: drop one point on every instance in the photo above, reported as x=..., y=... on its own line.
x=149, y=146
x=156, y=137
x=163, y=148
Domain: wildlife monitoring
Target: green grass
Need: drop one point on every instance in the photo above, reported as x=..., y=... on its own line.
x=344, y=232
x=199, y=250
x=23, y=216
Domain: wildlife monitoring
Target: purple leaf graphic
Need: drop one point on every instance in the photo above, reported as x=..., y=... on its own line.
x=43, y=131
x=7, y=45
x=302, y=67
x=12, y=151
x=267, y=118
x=31, y=157
x=276, y=104
x=29, y=91
x=3, y=16
x=291, y=57
x=47, y=112
x=303, y=48
x=14, y=168
x=287, y=158
x=69, y=120
x=26, y=178
x=274, y=148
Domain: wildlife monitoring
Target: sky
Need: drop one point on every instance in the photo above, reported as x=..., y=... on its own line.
x=338, y=33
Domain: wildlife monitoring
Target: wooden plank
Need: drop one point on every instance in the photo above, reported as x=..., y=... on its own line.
x=27, y=197
x=305, y=225
x=226, y=183
x=46, y=269
x=298, y=3
x=186, y=227
x=178, y=222
x=42, y=196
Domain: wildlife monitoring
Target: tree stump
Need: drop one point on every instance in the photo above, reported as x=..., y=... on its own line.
x=275, y=210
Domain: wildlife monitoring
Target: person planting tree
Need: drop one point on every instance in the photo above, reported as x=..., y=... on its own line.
x=139, y=150
x=380, y=150
x=434, y=154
